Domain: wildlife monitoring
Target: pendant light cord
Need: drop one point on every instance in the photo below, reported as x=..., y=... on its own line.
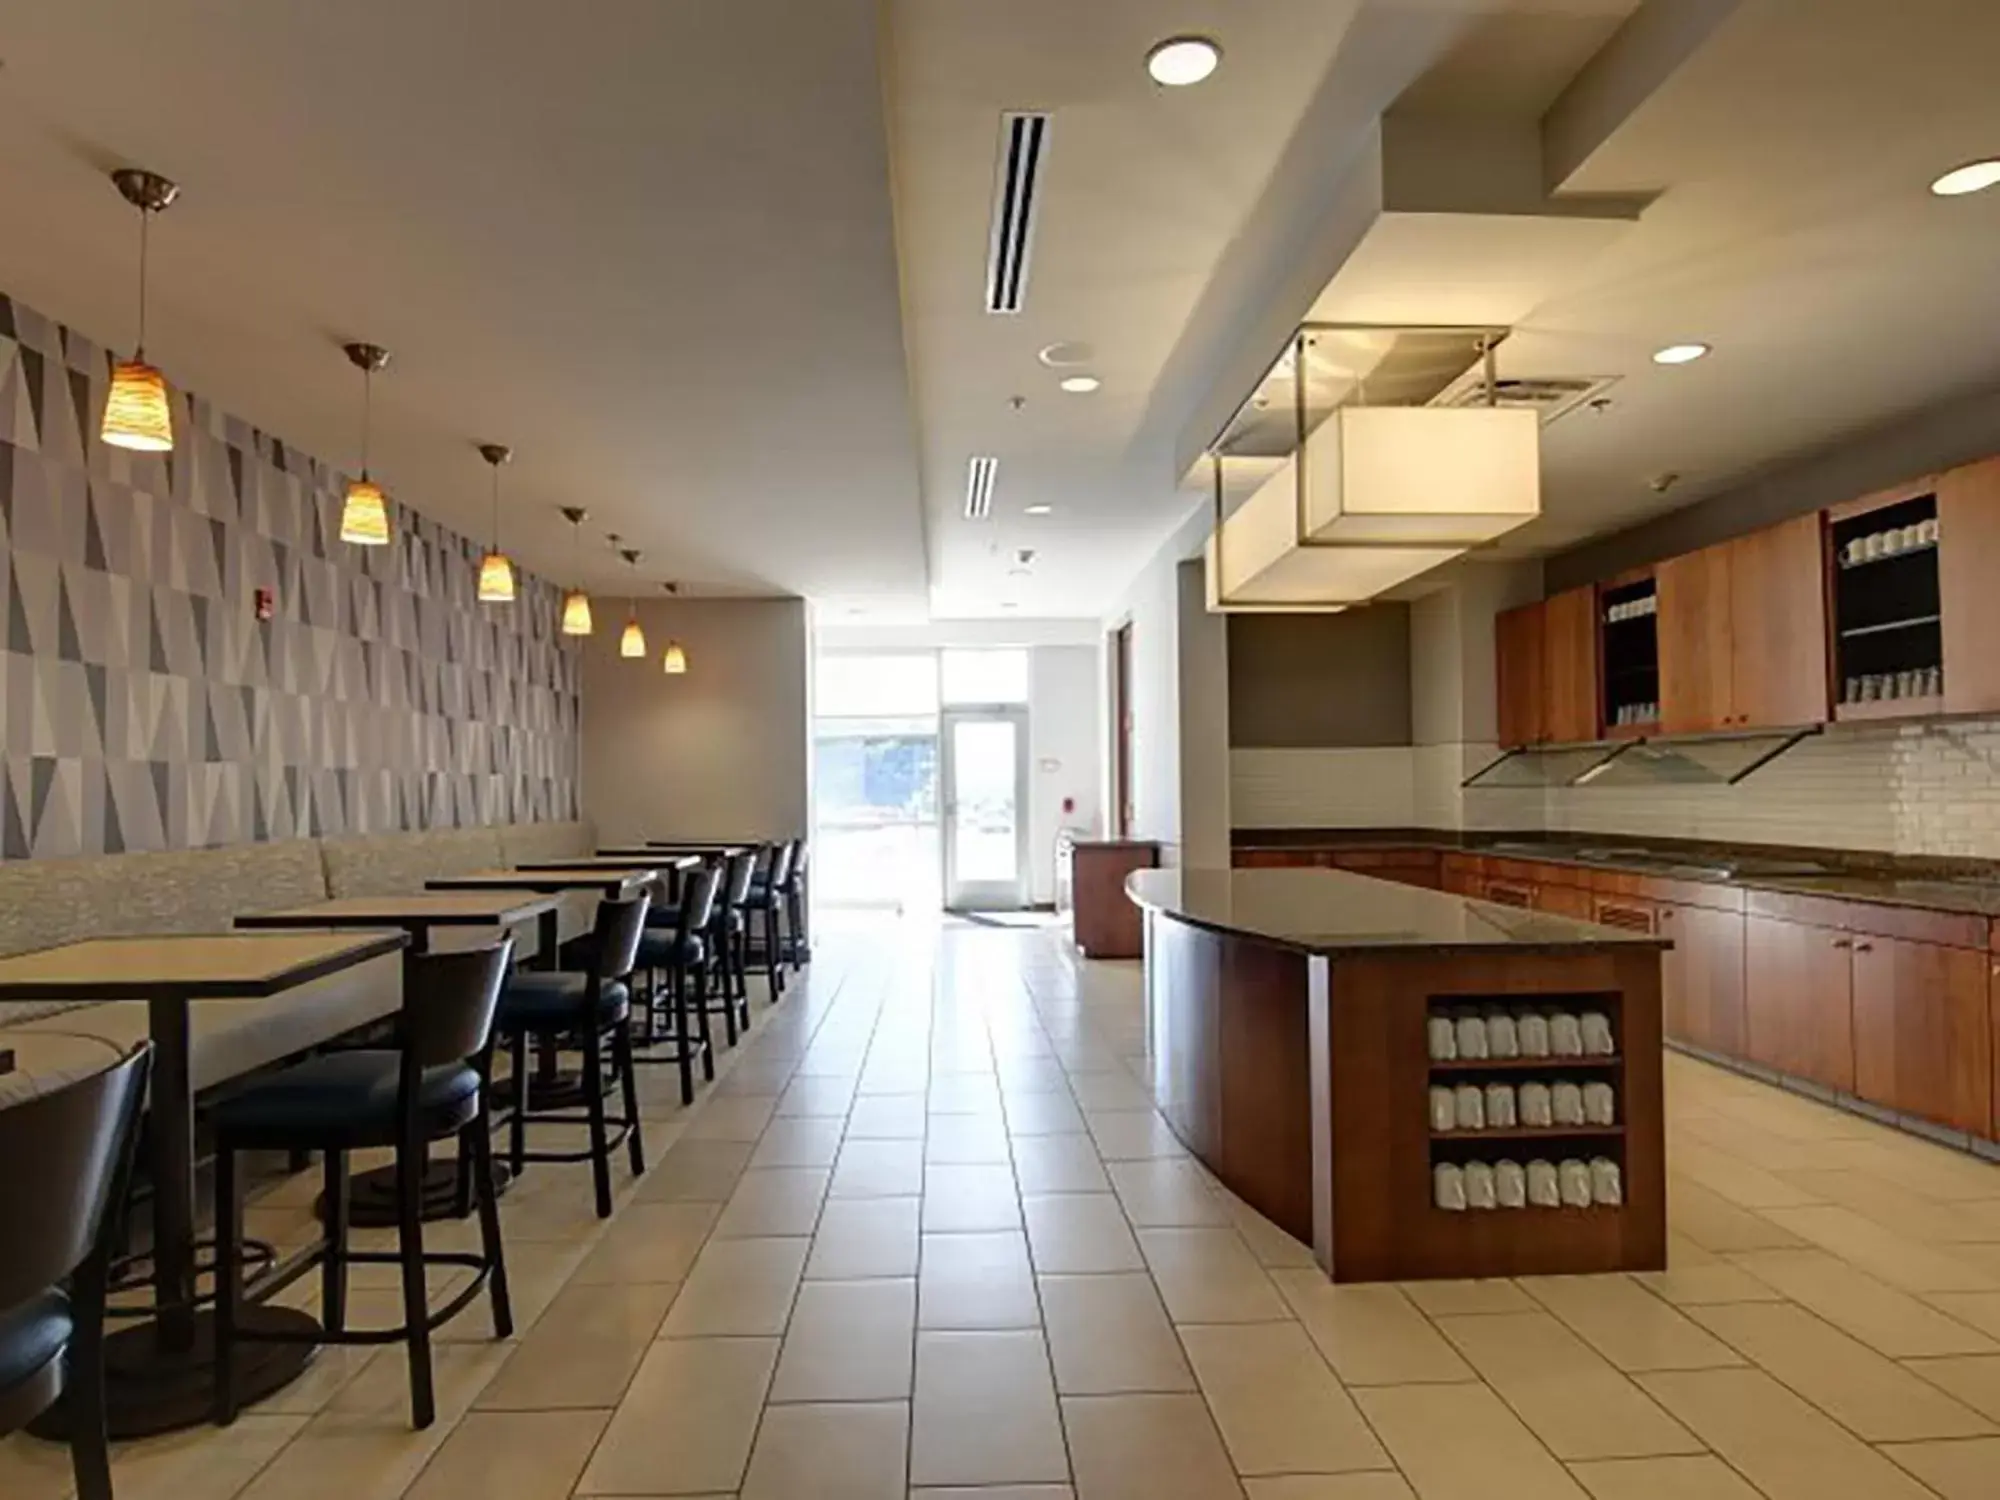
x=367, y=412
x=139, y=353
x=496, y=507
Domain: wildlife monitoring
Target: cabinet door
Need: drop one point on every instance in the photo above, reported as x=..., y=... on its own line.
x=1694, y=641
x=1922, y=1032
x=1569, y=666
x=1566, y=901
x=1777, y=626
x=1969, y=585
x=1517, y=677
x=1701, y=977
x=1798, y=1000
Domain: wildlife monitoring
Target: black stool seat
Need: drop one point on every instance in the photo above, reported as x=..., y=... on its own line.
x=664, y=950
x=33, y=1334
x=663, y=916
x=344, y=1100
x=543, y=1000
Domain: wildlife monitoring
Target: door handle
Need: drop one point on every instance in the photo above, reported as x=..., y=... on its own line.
x=1864, y=947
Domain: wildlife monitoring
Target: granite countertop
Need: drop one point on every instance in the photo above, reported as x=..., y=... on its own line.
x=1334, y=913
x=1964, y=887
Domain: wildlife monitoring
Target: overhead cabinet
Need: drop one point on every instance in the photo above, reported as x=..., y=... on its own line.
x=1545, y=671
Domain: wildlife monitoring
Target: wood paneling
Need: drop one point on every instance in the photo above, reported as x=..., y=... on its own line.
x=1567, y=901
x=1518, y=670
x=1702, y=977
x=1695, y=692
x=1106, y=922
x=1569, y=667
x=1777, y=626
x=1969, y=585
x=1798, y=994
x=1922, y=1031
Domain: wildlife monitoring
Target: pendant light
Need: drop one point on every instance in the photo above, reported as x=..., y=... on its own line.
x=576, y=603
x=137, y=412
x=364, y=517
x=632, y=644
x=496, y=574
x=673, y=661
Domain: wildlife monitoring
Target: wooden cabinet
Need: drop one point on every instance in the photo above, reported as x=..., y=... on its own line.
x=1566, y=901
x=1798, y=992
x=1701, y=977
x=1517, y=672
x=1569, y=667
x=1968, y=501
x=1923, y=1031
x=1106, y=923
x=1694, y=643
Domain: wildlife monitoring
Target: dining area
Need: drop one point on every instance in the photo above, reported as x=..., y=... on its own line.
x=414, y=1024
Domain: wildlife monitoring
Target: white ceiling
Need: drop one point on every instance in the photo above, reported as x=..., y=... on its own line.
x=715, y=270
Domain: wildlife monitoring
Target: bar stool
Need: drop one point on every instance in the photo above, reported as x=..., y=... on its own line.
x=731, y=949
x=681, y=953
x=582, y=1006
x=795, y=906
x=764, y=899
x=432, y=1085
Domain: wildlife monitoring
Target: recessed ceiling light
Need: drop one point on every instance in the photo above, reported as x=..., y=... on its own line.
x=1973, y=177
x=1008, y=604
x=1182, y=60
x=1679, y=354
x=1066, y=354
x=1080, y=385
x=1037, y=510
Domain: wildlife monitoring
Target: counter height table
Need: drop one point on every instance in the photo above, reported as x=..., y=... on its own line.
x=160, y=1374
x=372, y=1194
x=671, y=866
x=1289, y=1019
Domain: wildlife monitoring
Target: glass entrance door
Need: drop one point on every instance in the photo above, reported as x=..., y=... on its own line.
x=985, y=808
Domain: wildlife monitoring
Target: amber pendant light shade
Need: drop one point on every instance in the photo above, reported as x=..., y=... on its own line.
x=632, y=643
x=496, y=573
x=576, y=603
x=364, y=515
x=138, y=413
x=673, y=661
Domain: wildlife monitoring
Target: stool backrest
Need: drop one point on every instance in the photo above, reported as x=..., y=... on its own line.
x=65, y=1165
x=614, y=944
x=698, y=900
x=798, y=864
x=781, y=864
x=736, y=884
x=449, y=1000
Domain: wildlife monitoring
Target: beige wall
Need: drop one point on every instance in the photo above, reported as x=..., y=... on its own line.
x=1312, y=680
x=718, y=753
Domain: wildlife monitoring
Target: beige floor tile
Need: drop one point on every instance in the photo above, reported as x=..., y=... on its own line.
x=967, y=1141
x=1109, y=1335
x=1743, y=1184
x=1881, y=1316
x=1330, y=1487
x=741, y=1118
x=849, y=1341
x=964, y=1094
x=556, y=1207
x=687, y=1425
x=738, y=1287
x=583, y=1350
x=1573, y=1398
x=1132, y=1135
x=1147, y=1448
x=799, y=1141
x=860, y=1238
x=965, y=1199
x=1043, y=1114
x=971, y=1281
x=1208, y=1276
x=202, y=1463
x=995, y=1492
x=1277, y=1403
x=1449, y=1299
x=878, y=1169
x=823, y=1096
x=646, y=1242
x=1882, y=1252
x=985, y=1411
x=1977, y=1310
x=1459, y=1442
x=1059, y=1164
x=1957, y=1471
x=1974, y=1380
x=1079, y=1233
x=1907, y=1212
x=1702, y=1478
x=1785, y=1447
x=1716, y=1224
x=1711, y=1281
x=1110, y=1091
x=1872, y=1396
x=887, y=1117
x=702, y=1171
x=1628, y=1325
x=515, y=1455
x=1370, y=1334
x=1273, y=1248
x=846, y=1451
x=1166, y=1193
x=773, y=1201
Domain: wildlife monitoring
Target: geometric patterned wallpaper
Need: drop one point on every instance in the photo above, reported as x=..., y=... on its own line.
x=144, y=706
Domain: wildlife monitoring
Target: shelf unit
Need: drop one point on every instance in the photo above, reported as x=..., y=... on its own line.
x=1887, y=616
x=1529, y=1133
x=1527, y=1064
x=1629, y=661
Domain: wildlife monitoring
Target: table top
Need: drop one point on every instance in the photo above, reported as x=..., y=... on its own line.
x=648, y=859
x=414, y=910
x=224, y=965
x=1335, y=912
x=706, y=846
x=607, y=877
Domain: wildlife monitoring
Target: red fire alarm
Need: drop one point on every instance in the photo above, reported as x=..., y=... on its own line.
x=266, y=604
x=1069, y=805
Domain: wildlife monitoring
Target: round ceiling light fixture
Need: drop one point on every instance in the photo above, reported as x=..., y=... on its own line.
x=1066, y=354
x=1080, y=385
x=1182, y=60
x=1973, y=177
x=1679, y=354
x=1037, y=510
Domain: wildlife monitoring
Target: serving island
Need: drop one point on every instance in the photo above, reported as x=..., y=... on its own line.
x=1293, y=1019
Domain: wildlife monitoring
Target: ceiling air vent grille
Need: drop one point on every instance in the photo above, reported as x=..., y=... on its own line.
x=1016, y=195
x=1553, y=396
x=979, y=477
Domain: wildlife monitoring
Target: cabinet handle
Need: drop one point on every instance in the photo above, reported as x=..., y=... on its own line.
x=1843, y=942
x=1666, y=916
x=1864, y=947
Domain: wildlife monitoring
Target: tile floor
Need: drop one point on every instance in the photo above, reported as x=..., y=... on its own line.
x=925, y=1235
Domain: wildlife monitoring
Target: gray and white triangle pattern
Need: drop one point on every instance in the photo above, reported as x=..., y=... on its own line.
x=144, y=706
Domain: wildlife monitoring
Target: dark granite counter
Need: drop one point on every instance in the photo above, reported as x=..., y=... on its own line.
x=1332, y=912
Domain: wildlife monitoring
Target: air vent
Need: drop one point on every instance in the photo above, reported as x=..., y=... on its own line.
x=1016, y=195
x=1552, y=396
x=979, y=477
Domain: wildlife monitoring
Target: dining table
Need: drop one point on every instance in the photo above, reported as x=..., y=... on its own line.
x=372, y=1194
x=159, y=1373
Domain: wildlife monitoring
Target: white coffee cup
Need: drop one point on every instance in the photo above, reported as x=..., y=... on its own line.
x=1444, y=1108
x=1534, y=1106
x=1480, y=1189
x=1469, y=1107
x=1442, y=1038
x=1448, y=1187
x=1566, y=1104
x=1600, y=1105
x=1472, y=1037
x=1544, y=1190
x=1500, y=1107
x=1606, y=1186
x=1510, y=1184
x=1597, y=1038
x=1565, y=1035
x=1503, y=1037
x=1573, y=1184
x=1533, y=1031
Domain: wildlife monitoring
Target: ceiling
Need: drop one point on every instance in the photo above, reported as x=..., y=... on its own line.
x=715, y=271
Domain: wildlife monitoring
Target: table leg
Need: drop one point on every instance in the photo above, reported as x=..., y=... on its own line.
x=171, y=1121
